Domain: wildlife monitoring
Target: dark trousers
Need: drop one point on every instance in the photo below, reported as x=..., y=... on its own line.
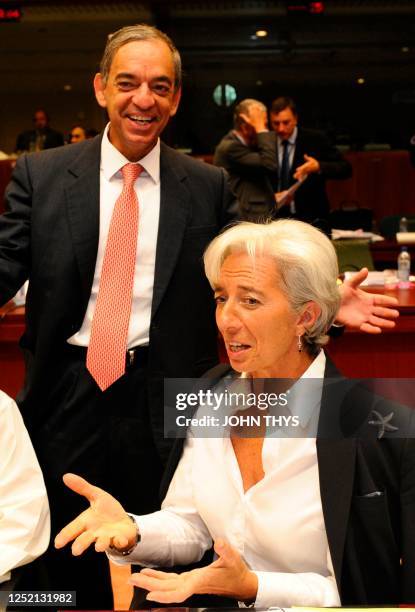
x=104, y=437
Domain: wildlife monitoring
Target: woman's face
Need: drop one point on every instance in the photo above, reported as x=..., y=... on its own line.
x=257, y=323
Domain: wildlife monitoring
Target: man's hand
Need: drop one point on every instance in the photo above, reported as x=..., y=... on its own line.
x=105, y=522
x=228, y=576
x=368, y=312
x=310, y=166
x=282, y=199
x=257, y=118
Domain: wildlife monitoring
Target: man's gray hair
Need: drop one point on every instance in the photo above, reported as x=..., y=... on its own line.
x=134, y=33
x=305, y=263
x=243, y=109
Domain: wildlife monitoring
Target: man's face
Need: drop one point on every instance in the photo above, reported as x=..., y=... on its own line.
x=77, y=134
x=139, y=96
x=40, y=120
x=284, y=123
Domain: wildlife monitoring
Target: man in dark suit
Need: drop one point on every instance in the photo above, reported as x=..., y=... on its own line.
x=60, y=232
x=248, y=154
x=42, y=137
x=304, y=153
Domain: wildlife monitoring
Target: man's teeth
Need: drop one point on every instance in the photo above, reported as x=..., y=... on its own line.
x=142, y=120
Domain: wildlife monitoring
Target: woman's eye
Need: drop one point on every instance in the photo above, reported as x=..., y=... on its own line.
x=219, y=299
x=250, y=301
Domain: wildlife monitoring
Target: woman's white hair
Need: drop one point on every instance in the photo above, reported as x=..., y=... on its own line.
x=305, y=262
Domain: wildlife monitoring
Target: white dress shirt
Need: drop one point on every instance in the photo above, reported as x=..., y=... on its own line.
x=147, y=188
x=24, y=508
x=277, y=525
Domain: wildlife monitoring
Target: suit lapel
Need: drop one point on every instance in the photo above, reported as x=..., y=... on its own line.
x=82, y=197
x=174, y=215
x=336, y=464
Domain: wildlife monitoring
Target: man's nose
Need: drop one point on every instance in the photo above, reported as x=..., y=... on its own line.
x=143, y=97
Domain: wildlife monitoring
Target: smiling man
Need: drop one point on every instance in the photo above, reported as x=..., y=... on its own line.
x=111, y=234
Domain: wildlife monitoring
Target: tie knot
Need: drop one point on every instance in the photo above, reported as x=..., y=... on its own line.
x=285, y=143
x=130, y=173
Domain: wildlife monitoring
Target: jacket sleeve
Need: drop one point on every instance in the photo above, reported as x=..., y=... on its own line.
x=238, y=158
x=15, y=232
x=332, y=163
x=408, y=521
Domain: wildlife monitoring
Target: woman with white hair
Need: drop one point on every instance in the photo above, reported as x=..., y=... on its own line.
x=294, y=521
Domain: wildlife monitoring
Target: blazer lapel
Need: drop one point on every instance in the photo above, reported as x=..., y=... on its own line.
x=336, y=462
x=82, y=196
x=174, y=215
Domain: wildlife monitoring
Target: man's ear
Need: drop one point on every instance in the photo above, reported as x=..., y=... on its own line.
x=308, y=317
x=176, y=101
x=99, y=88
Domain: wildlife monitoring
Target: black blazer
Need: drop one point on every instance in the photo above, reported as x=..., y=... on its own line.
x=367, y=488
x=311, y=198
x=253, y=173
x=50, y=235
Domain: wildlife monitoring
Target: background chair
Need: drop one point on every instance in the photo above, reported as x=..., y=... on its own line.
x=353, y=255
x=350, y=216
x=389, y=225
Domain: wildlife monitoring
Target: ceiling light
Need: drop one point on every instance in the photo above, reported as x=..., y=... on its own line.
x=361, y=81
x=261, y=33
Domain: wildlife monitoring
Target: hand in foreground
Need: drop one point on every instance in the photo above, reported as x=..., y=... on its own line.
x=228, y=576
x=368, y=312
x=105, y=522
x=311, y=165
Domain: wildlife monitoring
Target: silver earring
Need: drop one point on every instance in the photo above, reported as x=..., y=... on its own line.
x=299, y=344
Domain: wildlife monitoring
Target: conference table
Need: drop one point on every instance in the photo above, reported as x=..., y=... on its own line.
x=387, y=355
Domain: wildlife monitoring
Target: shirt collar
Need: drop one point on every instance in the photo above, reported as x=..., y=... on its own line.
x=305, y=397
x=112, y=160
x=305, y=394
x=292, y=139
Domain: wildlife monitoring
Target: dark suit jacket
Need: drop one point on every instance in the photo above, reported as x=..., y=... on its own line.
x=50, y=234
x=367, y=488
x=311, y=200
x=252, y=173
x=52, y=139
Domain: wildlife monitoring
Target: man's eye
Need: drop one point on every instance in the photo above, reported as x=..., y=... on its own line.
x=161, y=89
x=124, y=85
x=219, y=299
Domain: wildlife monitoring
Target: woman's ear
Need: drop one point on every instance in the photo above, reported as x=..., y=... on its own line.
x=308, y=317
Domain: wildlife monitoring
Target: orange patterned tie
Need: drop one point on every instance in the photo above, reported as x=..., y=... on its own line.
x=107, y=348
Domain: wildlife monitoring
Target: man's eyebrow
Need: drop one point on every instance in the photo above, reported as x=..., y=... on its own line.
x=124, y=75
x=159, y=79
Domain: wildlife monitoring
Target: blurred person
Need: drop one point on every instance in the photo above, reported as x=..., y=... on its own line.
x=305, y=153
x=248, y=154
x=24, y=509
x=309, y=520
x=41, y=137
x=78, y=134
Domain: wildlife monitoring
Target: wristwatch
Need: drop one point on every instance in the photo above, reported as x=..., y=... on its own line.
x=124, y=553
